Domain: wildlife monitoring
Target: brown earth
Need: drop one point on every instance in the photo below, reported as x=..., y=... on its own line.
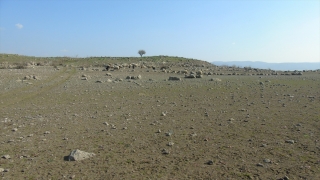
x=236, y=128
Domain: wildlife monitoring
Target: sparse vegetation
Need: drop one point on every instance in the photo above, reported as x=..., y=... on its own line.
x=213, y=127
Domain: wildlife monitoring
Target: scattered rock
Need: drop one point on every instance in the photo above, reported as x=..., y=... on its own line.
x=210, y=162
x=78, y=155
x=118, y=80
x=174, y=79
x=168, y=133
x=284, y=178
x=193, y=134
x=190, y=76
x=215, y=79
x=72, y=177
x=31, y=77
x=165, y=151
x=260, y=165
x=106, y=123
x=290, y=141
x=267, y=160
x=6, y=156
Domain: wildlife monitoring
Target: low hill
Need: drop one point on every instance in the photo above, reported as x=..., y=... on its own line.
x=273, y=66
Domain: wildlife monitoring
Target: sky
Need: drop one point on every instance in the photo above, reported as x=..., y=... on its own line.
x=209, y=30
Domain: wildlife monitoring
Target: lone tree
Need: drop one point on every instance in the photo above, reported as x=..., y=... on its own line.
x=141, y=52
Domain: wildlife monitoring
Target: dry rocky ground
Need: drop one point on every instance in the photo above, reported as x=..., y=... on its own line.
x=214, y=127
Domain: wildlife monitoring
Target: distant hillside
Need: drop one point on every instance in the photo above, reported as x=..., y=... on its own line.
x=273, y=66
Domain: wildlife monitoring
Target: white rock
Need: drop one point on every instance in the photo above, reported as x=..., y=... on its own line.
x=106, y=123
x=78, y=155
x=290, y=141
x=6, y=156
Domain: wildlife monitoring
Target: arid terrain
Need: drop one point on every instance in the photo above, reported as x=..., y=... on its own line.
x=229, y=123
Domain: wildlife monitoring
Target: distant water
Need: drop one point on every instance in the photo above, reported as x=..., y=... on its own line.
x=273, y=66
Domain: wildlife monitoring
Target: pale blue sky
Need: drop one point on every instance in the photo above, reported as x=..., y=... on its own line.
x=210, y=30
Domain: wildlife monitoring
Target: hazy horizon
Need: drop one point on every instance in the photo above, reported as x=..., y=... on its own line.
x=263, y=31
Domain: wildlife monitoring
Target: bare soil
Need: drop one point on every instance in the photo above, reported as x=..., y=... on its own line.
x=236, y=128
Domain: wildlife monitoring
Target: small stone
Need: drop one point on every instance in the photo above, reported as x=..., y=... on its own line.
x=170, y=143
x=47, y=132
x=72, y=177
x=263, y=145
x=267, y=160
x=284, y=178
x=1, y=170
x=159, y=131
x=260, y=165
x=30, y=135
x=168, y=133
x=106, y=123
x=290, y=141
x=163, y=114
x=124, y=128
x=6, y=156
x=15, y=129
x=165, y=151
x=193, y=134
x=210, y=162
